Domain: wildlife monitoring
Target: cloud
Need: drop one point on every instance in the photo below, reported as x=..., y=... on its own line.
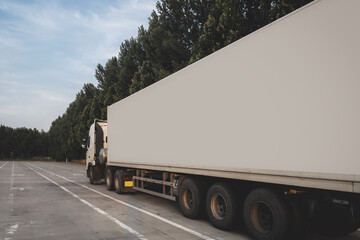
x=39, y=15
x=52, y=96
x=9, y=110
x=49, y=49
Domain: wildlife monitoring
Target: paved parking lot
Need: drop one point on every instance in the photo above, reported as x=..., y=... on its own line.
x=49, y=200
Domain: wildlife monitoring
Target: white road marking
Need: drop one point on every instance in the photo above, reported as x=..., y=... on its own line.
x=126, y=227
x=3, y=165
x=134, y=207
x=17, y=188
x=12, y=176
x=13, y=229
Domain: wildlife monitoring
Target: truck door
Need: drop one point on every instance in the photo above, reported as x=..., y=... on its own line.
x=90, y=147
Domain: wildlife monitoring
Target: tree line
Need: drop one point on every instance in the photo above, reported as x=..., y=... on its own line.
x=23, y=143
x=180, y=32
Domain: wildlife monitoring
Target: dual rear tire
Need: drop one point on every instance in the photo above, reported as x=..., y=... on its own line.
x=191, y=198
x=119, y=181
x=109, y=179
x=221, y=206
x=266, y=214
x=114, y=180
x=220, y=202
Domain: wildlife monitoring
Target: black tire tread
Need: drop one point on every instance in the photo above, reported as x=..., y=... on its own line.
x=119, y=174
x=109, y=185
x=281, y=211
x=198, y=194
x=229, y=196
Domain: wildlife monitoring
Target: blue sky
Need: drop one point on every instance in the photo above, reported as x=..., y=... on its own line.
x=49, y=49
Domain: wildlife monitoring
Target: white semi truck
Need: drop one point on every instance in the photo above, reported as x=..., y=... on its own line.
x=266, y=130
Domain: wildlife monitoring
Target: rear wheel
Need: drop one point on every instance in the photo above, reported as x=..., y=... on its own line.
x=119, y=181
x=109, y=179
x=220, y=206
x=266, y=215
x=191, y=198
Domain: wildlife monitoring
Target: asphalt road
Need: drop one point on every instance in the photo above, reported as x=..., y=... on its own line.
x=48, y=200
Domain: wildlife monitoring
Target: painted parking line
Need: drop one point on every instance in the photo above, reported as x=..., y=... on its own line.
x=124, y=226
x=11, y=226
x=186, y=229
x=3, y=165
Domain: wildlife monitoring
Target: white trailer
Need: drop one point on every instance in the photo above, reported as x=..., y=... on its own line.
x=266, y=128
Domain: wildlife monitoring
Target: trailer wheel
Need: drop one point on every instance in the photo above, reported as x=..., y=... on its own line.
x=220, y=206
x=109, y=179
x=191, y=198
x=119, y=181
x=266, y=215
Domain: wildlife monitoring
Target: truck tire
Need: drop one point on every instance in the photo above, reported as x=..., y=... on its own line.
x=191, y=198
x=91, y=175
x=266, y=215
x=221, y=206
x=94, y=175
x=119, y=181
x=109, y=179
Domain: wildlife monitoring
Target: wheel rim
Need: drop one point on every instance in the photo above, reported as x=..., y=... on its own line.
x=218, y=206
x=262, y=217
x=107, y=180
x=117, y=183
x=187, y=199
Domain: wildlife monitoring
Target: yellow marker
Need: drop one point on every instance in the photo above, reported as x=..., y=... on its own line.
x=128, y=183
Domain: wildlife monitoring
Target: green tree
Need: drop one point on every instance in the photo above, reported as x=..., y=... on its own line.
x=231, y=20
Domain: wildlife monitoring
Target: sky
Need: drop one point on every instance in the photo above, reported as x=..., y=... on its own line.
x=50, y=49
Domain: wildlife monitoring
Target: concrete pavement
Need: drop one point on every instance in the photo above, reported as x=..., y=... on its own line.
x=48, y=200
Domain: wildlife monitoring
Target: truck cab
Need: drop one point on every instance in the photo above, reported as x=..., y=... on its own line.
x=96, y=152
